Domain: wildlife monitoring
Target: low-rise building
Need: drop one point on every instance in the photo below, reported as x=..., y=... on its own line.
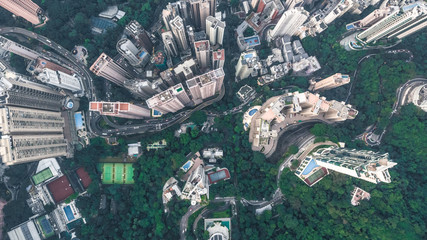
x=333, y=81
x=212, y=154
x=245, y=92
x=134, y=150
x=359, y=194
x=218, y=228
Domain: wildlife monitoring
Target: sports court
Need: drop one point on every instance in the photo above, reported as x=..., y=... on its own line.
x=45, y=226
x=42, y=176
x=117, y=173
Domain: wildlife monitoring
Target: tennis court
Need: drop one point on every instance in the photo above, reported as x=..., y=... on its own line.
x=118, y=173
x=107, y=173
x=45, y=226
x=42, y=176
x=129, y=174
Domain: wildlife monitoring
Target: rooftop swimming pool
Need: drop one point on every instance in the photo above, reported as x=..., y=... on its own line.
x=69, y=213
x=79, y=120
x=187, y=165
x=311, y=165
x=252, y=112
x=252, y=41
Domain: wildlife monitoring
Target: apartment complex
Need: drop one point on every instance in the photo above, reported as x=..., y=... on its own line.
x=333, y=81
x=171, y=100
x=136, y=57
x=280, y=111
x=400, y=23
x=119, y=109
x=19, y=91
x=143, y=88
x=206, y=85
x=203, y=53
x=215, y=30
x=170, y=45
x=178, y=30
x=289, y=22
x=186, y=70
x=26, y=9
x=270, y=9
x=105, y=67
x=200, y=10
x=139, y=35
x=60, y=79
x=196, y=186
x=218, y=58
x=248, y=62
x=366, y=165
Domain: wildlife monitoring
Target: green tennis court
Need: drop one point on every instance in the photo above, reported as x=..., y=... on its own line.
x=42, y=176
x=118, y=173
x=129, y=174
x=107, y=173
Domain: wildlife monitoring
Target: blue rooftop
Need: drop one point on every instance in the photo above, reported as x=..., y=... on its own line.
x=79, y=120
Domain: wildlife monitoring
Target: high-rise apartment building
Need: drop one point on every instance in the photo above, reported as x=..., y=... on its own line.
x=171, y=11
x=171, y=100
x=186, y=70
x=400, y=23
x=289, y=22
x=289, y=4
x=142, y=88
x=366, y=165
x=270, y=9
x=215, y=30
x=218, y=58
x=105, y=67
x=178, y=30
x=19, y=120
x=200, y=10
x=18, y=149
x=203, y=53
x=333, y=81
x=136, y=57
x=206, y=85
x=170, y=45
x=168, y=77
x=119, y=109
x=18, y=91
x=248, y=61
x=17, y=49
x=60, y=80
x=26, y=9
x=139, y=35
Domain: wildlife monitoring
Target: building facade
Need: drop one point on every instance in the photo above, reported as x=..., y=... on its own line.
x=178, y=30
x=119, y=109
x=136, y=57
x=105, y=67
x=26, y=9
x=203, y=53
x=289, y=22
x=170, y=45
x=215, y=30
x=333, y=81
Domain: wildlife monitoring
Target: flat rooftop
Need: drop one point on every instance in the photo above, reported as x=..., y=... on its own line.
x=60, y=189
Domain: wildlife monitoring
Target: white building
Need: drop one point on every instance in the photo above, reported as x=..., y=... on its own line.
x=289, y=23
x=215, y=30
x=60, y=79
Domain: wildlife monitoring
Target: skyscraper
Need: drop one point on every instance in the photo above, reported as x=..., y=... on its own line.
x=26, y=9
x=171, y=11
x=218, y=58
x=178, y=30
x=119, y=109
x=215, y=30
x=248, y=61
x=200, y=10
x=17, y=90
x=142, y=88
x=400, y=23
x=333, y=81
x=105, y=67
x=203, y=53
x=139, y=35
x=289, y=22
x=136, y=57
x=206, y=85
x=171, y=100
x=366, y=165
x=170, y=45
x=168, y=77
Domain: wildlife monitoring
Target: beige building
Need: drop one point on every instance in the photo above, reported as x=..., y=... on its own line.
x=248, y=62
x=105, y=67
x=171, y=100
x=178, y=30
x=18, y=120
x=215, y=30
x=28, y=148
x=333, y=81
x=203, y=53
x=18, y=49
x=26, y=9
x=289, y=22
x=206, y=85
x=200, y=10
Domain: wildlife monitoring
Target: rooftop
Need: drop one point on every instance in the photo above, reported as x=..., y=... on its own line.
x=84, y=177
x=60, y=189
